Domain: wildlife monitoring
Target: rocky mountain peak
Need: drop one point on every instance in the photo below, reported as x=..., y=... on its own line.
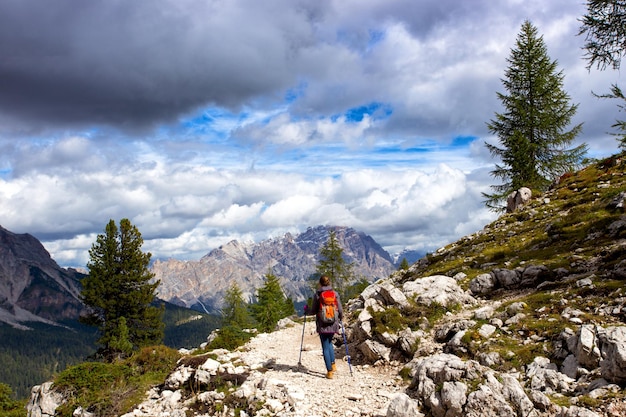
x=202, y=284
x=32, y=285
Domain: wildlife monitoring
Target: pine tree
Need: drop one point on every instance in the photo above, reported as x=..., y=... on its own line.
x=404, y=265
x=236, y=312
x=272, y=304
x=334, y=265
x=532, y=128
x=120, y=293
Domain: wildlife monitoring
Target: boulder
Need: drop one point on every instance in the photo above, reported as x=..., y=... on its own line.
x=44, y=401
x=507, y=278
x=393, y=296
x=374, y=351
x=587, y=351
x=483, y=284
x=612, y=342
x=543, y=375
x=517, y=199
x=447, y=386
x=439, y=289
x=535, y=274
x=401, y=405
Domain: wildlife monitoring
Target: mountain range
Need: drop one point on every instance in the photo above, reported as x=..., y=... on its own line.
x=34, y=288
x=293, y=259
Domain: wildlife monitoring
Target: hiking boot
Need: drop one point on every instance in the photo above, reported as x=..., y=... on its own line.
x=329, y=375
x=333, y=367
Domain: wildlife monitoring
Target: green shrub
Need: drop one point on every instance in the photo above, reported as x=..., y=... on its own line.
x=387, y=320
x=8, y=406
x=155, y=359
x=88, y=385
x=114, y=388
x=229, y=337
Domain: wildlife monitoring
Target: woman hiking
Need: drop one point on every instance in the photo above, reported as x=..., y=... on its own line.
x=328, y=317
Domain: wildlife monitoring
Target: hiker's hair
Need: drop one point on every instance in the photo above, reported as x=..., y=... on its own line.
x=324, y=281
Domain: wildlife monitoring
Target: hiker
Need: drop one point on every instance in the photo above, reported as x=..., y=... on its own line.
x=328, y=317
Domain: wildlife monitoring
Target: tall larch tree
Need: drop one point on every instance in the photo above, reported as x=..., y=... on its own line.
x=604, y=25
x=533, y=128
x=120, y=292
x=333, y=264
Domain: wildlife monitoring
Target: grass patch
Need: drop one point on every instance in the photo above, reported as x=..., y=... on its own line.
x=114, y=388
x=388, y=320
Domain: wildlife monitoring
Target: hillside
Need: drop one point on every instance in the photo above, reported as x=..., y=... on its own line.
x=524, y=318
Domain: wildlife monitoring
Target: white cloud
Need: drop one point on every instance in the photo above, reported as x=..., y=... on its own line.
x=206, y=122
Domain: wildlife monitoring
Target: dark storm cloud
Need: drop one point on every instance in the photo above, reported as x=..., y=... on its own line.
x=135, y=63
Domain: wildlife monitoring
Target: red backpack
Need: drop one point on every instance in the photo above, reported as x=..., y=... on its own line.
x=328, y=307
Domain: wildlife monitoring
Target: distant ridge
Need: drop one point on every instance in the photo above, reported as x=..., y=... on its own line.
x=202, y=284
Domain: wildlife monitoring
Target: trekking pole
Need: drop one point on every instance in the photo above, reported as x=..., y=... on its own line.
x=345, y=342
x=302, y=340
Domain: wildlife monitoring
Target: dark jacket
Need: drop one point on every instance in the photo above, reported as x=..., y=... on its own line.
x=321, y=327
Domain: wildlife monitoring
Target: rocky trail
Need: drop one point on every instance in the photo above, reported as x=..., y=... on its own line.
x=368, y=391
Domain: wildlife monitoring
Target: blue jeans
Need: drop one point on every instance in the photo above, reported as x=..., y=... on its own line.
x=328, y=350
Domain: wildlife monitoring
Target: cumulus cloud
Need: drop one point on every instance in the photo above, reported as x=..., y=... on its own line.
x=204, y=122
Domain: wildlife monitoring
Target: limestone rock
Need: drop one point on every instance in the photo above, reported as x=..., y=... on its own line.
x=517, y=199
x=612, y=341
x=439, y=289
x=402, y=405
x=44, y=401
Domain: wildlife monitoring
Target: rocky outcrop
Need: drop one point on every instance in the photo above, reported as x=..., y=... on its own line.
x=44, y=401
x=384, y=345
x=202, y=284
x=530, y=276
x=589, y=360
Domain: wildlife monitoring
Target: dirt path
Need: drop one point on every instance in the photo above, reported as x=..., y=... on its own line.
x=366, y=392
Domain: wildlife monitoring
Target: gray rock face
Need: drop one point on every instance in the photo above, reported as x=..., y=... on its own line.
x=439, y=289
x=44, y=401
x=32, y=286
x=403, y=406
x=530, y=276
x=612, y=341
x=442, y=383
x=202, y=284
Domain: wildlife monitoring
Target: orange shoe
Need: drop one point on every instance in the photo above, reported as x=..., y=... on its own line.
x=329, y=375
x=333, y=367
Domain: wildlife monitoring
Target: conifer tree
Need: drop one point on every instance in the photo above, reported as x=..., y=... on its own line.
x=404, y=265
x=333, y=264
x=120, y=292
x=272, y=304
x=605, y=29
x=604, y=25
x=236, y=312
x=533, y=128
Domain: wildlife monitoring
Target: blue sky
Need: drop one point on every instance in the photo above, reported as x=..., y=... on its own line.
x=208, y=121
